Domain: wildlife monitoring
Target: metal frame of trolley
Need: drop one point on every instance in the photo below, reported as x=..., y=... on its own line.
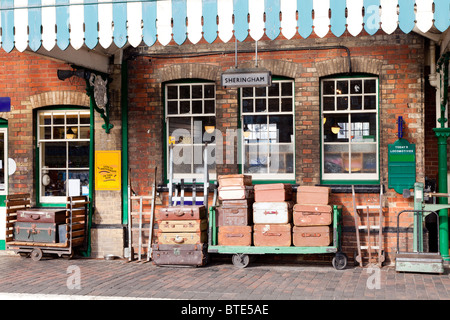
x=241, y=254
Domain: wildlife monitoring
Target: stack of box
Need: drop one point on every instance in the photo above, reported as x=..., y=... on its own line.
x=182, y=236
x=234, y=215
x=312, y=217
x=41, y=225
x=272, y=215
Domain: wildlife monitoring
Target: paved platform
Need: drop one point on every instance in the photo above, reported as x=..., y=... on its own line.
x=56, y=278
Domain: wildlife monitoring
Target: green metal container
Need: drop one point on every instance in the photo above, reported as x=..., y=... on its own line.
x=36, y=232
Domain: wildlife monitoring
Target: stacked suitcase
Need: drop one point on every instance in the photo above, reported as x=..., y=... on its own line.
x=235, y=213
x=41, y=225
x=272, y=215
x=182, y=236
x=312, y=217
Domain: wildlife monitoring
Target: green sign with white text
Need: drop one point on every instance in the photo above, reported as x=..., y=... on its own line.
x=401, y=165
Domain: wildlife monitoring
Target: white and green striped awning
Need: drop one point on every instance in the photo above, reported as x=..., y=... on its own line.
x=32, y=24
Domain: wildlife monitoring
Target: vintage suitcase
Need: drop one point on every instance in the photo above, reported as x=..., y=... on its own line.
x=234, y=180
x=42, y=215
x=180, y=254
x=273, y=192
x=182, y=237
x=183, y=225
x=234, y=213
x=312, y=215
x=192, y=212
x=272, y=235
x=236, y=192
x=313, y=195
x=235, y=236
x=317, y=236
x=36, y=232
x=272, y=212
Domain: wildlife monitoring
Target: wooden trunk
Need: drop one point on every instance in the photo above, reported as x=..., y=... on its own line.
x=235, y=236
x=234, y=213
x=313, y=195
x=312, y=215
x=180, y=254
x=273, y=192
x=317, y=236
x=234, y=180
x=272, y=235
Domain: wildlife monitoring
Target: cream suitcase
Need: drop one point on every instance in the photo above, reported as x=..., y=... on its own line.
x=236, y=192
x=272, y=212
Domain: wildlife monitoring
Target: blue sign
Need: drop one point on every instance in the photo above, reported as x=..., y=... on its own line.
x=5, y=104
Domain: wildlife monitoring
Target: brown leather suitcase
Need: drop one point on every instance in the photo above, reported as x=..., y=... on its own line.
x=42, y=215
x=272, y=235
x=180, y=254
x=313, y=195
x=235, y=192
x=234, y=180
x=234, y=213
x=182, y=237
x=312, y=215
x=183, y=225
x=192, y=212
x=273, y=192
x=235, y=236
x=317, y=236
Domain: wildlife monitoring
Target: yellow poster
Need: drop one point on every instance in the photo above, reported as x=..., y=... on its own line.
x=107, y=170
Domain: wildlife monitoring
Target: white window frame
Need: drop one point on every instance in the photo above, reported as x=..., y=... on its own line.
x=41, y=140
x=356, y=176
x=267, y=113
x=197, y=147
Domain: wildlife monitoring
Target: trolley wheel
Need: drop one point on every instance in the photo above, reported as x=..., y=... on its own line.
x=240, y=260
x=339, y=261
x=36, y=254
x=68, y=256
x=24, y=254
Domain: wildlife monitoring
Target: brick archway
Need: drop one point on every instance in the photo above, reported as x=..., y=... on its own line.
x=341, y=65
x=189, y=71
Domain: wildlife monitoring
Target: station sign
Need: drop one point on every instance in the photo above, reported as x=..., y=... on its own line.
x=238, y=78
x=401, y=165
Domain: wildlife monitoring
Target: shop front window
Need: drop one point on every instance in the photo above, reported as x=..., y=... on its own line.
x=350, y=133
x=63, y=140
x=267, y=122
x=190, y=128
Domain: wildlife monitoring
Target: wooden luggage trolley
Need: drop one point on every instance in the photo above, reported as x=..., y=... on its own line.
x=281, y=243
x=71, y=233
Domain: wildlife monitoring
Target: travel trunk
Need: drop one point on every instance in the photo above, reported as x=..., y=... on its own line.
x=42, y=215
x=317, y=236
x=273, y=192
x=272, y=235
x=36, y=232
x=180, y=254
x=234, y=213
x=272, y=212
x=312, y=215
x=183, y=225
x=313, y=195
x=235, y=192
x=182, y=237
x=235, y=236
x=193, y=212
x=234, y=180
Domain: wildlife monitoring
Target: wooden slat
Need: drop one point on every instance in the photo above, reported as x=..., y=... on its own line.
x=76, y=234
x=78, y=227
x=19, y=202
x=18, y=196
x=38, y=244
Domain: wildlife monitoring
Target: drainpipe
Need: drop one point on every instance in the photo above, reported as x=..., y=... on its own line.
x=442, y=135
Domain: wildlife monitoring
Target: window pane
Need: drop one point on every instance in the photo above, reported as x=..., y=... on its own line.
x=71, y=133
x=286, y=104
x=260, y=92
x=185, y=107
x=335, y=128
x=54, y=155
x=281, y=158
x=256, y=158
x=356, y=86
x=363, y=158
x=283, y=127
x=274, y=89
x=197, y=91
x=84, y=132
x=79, y=154
x=57, y=185
x=45, y=119
x=328, y=104
x=182, y=158
x=260, y=105
x=209, y=91
x=286, y=89
x=342, y=87
x=370, y=103
x=210, y=106
x=84, y=119
x=342, y=103
x=172, y=92
x=247, y=105
x=58, y=118
x=172, y=107
x=199, y=167
x=274, y=105
x=197, y=107
x=247, y=92
x=364, y=127
x=180, y=128
x=200, y=126
x=83, y=177
x=335, y=158
x=72, y=118
x=370, y=86
x=328, y=87
x=185, y=92
x=257, y=128
x=356, y=103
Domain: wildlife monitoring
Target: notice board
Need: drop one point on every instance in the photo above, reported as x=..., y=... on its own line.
x=108, y=170
x=401, y=165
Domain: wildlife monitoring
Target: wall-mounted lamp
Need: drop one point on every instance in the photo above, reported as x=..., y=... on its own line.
x=70, y=134
x=335, y=128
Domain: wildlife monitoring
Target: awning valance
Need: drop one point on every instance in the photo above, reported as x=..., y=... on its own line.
x=49, y=23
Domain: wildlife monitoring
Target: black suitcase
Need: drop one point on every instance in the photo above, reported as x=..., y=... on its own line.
x=180, y=254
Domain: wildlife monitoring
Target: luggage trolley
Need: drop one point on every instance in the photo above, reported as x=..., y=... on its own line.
x=72, y=234
x=241, y=254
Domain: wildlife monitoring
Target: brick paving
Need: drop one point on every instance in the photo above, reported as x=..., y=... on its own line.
x=218, y=281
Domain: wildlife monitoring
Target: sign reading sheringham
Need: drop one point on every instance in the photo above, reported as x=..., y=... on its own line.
x=237, y=78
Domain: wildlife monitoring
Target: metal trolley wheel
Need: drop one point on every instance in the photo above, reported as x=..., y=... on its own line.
x=240, y=260
x=340, y=261
x=36, y=254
